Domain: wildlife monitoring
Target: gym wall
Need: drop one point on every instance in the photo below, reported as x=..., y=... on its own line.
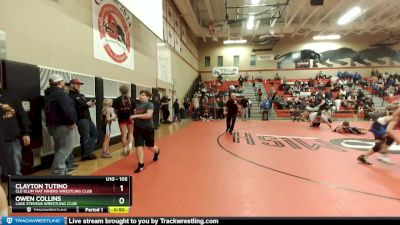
x=59, y=34
x=268, y=68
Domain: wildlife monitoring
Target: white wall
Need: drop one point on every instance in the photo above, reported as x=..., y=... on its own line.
x=268, y=68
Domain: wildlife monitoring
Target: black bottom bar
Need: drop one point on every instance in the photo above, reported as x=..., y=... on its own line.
x=219, y=221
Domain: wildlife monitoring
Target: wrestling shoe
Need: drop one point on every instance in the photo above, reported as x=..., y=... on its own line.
x=156, y=155
x=362, y=159
x=140, y=168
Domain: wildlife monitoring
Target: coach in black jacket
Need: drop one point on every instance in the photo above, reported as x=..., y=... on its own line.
x=61, y=122
x=16, y=122
x=2, y=148
x=86, y=127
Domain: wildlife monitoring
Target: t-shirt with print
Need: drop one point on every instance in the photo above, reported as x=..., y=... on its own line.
x=141, y=108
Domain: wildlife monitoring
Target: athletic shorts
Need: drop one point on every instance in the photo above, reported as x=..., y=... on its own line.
x=143, y=137
x=378, y=130
x=125, y=121
x=106, y=128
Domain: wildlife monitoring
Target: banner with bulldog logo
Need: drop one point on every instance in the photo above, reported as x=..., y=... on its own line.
x=112, y=39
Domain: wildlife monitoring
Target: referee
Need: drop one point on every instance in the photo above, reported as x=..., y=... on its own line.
x=231, y=110
x=144, y=129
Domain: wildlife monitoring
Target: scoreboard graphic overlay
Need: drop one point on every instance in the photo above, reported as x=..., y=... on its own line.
x=89, y=194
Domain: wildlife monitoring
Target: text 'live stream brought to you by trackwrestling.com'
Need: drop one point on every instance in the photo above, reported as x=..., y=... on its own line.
x=105, y=220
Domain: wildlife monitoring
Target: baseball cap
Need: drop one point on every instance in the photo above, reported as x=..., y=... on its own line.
x=55, y=78
x=76, y=81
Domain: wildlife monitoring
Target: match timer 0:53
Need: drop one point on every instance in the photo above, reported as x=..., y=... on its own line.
x=118, y=209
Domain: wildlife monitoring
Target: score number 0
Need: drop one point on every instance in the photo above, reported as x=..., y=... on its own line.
x=122, y=199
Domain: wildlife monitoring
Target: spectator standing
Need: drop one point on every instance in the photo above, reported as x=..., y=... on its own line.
x=61, y=121
x=220, y=109
x=196, y=107
x=86, y=127
x=250, y=105
x=245, y=105
x=259, y=96
x=108, y=116
x=241, y=80
x=186, y=106
x=124, y=107
x=165, y=109
x=2, y=144
x=266, y=106
x=177, y=115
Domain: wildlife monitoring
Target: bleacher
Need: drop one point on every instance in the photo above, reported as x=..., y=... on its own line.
x=221, y=88
x=393, y=99
x=343, y=112
x=277, y=83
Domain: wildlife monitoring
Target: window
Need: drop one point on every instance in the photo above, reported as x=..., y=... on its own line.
x=236, y=60
x=220, y=61
x=253, y=60
x=207, y=61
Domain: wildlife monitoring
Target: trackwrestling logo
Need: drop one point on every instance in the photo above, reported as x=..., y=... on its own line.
x=33, y=220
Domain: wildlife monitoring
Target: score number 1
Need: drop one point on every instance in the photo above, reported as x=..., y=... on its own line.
x=121, y=200
x=122, y=179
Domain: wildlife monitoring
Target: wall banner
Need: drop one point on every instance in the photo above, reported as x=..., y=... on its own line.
x=164, y=62
x=225, y=71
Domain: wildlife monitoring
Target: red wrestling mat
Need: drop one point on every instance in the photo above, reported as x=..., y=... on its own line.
x=271, y=168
